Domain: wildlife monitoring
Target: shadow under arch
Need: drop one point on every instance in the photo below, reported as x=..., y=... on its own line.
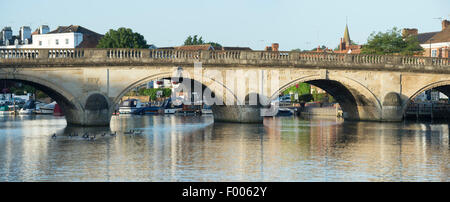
x=441, y=86
x=355, y=99
x=66, y=100
x=169, y=75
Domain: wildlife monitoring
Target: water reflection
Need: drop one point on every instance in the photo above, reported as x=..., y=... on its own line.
x=178, y=148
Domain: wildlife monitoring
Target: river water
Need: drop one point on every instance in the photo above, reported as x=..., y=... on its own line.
x=178, y=148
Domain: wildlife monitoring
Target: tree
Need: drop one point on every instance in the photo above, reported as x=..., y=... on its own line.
x=122, y=38
x=391, y=42
x=199, y=41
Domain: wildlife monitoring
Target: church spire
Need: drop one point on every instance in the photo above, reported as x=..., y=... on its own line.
x=346, y=35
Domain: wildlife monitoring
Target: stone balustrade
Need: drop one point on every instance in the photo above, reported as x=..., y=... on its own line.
x=232, y=57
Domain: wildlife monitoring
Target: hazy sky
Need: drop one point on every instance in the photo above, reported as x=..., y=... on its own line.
x=253, y=23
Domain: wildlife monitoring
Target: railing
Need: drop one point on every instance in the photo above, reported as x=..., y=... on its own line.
x=232, y=56
x=65, y=53
x=224, y=54
x=19, y=53
x=124, y=53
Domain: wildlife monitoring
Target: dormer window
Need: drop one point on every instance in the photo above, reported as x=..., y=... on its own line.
x=57, y=42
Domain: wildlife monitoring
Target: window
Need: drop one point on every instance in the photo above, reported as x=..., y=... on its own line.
x=433, y=53
x=40, y=43
x=67, y=41
x=57, y=42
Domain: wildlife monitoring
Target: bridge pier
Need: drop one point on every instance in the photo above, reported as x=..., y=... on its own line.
x=237, y=113
x=392, y=108
x=88, y=117
x=96, y=112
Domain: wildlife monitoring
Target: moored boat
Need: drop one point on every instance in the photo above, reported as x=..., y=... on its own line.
x=130, y=106
x=5, y=110
x=46, y=108
x=28, y=108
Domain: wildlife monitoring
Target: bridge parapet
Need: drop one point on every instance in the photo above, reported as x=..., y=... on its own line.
x=232, y=57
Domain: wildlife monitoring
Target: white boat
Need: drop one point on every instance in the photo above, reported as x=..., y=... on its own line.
x=172, y=110
x=28, y=108
x=129, y=106
x=46, y=108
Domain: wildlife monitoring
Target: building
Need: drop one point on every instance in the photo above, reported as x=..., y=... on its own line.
x=435, y=44
x=203, y=47
x=195, y=47
x=72, y=36
x=274, y=47
x=346, y=45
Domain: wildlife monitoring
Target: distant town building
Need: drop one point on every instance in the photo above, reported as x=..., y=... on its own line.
x=274, y=47
x=202, y=47
x=195, y=47
x=435, y=44
x=72, y=36
x=346, y=45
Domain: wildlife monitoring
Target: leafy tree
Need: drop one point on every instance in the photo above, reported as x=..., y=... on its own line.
x=193, y=41
x=152, y=92
x=297, y=50
x=199, y=41
x=391, y=42
x=300, y=89
x=122, y=38
x=305, y=98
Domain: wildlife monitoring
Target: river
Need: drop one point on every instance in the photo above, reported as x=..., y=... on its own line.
x=178, y=148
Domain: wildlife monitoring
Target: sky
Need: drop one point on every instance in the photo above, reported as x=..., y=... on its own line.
x=244, y=23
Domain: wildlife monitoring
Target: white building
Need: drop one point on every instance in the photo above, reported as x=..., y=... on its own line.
x=72, y=36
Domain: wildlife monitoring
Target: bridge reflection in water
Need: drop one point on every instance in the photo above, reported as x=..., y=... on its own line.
x=176, y=148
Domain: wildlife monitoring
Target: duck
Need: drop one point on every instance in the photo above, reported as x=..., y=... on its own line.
x=138, y=132
x=54, y=135
x=113, y=134
x=92, y=137
x=103, y=135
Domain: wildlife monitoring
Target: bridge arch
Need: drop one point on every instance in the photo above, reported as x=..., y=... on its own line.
x=213, y=85
x=356, y=100
x=68, y=102
x=442, y=86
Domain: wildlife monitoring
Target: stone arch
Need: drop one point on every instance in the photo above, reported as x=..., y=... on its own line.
x=167, y=75
x=356, y=100
x=69, y=103
x=442, y=86
x=438, y=84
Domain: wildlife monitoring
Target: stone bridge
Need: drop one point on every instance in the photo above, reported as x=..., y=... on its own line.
x=89, y=83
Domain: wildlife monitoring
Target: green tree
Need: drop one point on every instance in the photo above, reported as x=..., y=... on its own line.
x=122, y=38
x=199, y=41
x=152, y=92
x=297, y=50
x=300, y=89
x=391, y=42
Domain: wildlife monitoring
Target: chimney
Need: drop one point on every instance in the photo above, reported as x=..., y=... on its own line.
x=445, y=24
x=275, y=46
x=408, y=32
